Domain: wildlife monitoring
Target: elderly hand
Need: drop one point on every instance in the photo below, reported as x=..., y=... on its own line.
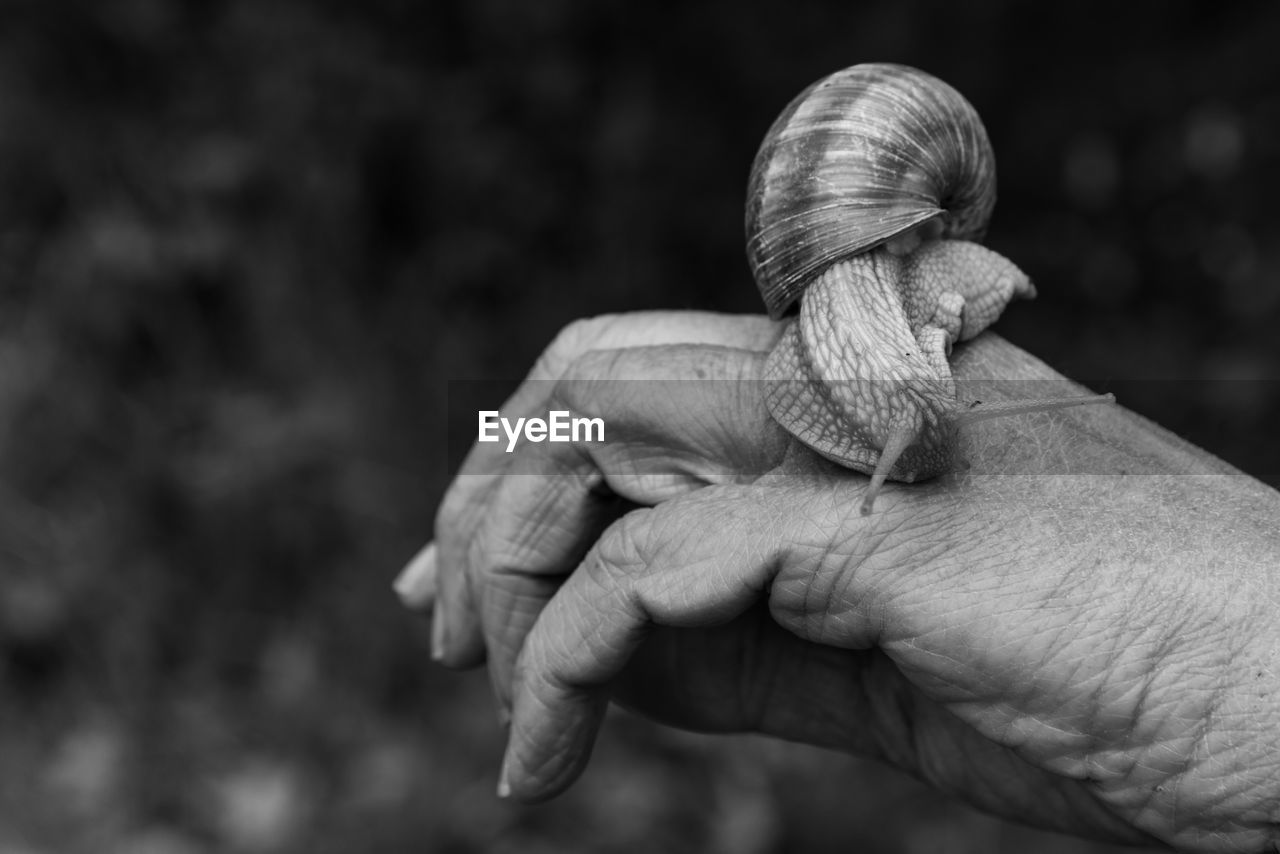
x=1077, y=631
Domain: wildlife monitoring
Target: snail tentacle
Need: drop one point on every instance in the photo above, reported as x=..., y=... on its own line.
x=985, y=281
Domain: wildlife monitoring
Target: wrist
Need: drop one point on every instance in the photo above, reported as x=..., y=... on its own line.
x=1226, y=794
x=1197, y=764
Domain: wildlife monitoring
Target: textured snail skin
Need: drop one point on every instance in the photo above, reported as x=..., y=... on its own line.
x=867, y=356
x=863, y=202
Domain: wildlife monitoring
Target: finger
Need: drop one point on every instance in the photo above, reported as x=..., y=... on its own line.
x=540, y=530
x=667, y=436
x=416, y=587
x=677, y=415
x=616, y=332
x=464, y=505
x=695, y=561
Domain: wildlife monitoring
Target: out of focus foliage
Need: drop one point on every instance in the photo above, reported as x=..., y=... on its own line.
x=244, y=244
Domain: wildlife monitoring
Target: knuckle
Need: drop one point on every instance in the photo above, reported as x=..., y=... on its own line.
x=590, y=365
x=576, y=386
x=627, y=543
x=620, y=552
x=571, y=342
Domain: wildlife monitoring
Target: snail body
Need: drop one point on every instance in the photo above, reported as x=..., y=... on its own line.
x=864, y=203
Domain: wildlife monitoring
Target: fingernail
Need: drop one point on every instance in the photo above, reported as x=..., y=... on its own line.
x=437, y=632
x=416, y=583
x=504, y=786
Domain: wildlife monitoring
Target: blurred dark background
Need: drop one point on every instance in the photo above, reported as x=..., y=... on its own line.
x=244, y=245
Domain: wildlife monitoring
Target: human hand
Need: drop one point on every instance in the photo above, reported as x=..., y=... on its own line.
x=1089, y=652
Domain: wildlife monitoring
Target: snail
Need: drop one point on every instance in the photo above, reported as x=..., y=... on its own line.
x=865, y=204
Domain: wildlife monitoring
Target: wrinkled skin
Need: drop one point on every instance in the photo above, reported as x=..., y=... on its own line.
x=1094, y=652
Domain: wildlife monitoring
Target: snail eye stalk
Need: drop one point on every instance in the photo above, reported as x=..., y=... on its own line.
x=898, y=442
x=1005, y=409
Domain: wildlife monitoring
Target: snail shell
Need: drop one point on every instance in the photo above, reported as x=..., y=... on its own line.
x=872, y=155
x=860, y=157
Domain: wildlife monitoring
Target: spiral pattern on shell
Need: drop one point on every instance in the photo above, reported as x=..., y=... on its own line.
x=859, y=157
